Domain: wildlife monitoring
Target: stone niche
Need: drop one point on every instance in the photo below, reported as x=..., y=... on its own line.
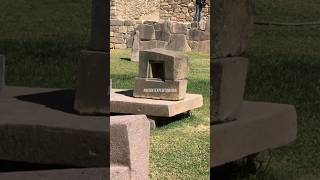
x=162, y=75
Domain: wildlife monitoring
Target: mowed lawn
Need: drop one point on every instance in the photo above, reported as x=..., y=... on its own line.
x=179, y=150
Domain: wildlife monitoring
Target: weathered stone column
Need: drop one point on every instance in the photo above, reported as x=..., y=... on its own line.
x=93, y=78
x=2, y=73
x=232, y=25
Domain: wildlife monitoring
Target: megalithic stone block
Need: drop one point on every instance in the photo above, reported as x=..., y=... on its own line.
x=2, y=73
x=233, y=22
x=93, y=83
x=135, y=47
x=99, y=26
x=129, y=142
x=228, y=77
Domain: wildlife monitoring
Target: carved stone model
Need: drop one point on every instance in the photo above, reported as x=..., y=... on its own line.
x=162, y=75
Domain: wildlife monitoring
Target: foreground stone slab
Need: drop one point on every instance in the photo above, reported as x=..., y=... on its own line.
x=66, y=174
x=39, y=126
x=129, y=146
x=233, y=23
x=260, y=126
x=122, y=101
x=92, y=83
x=2, y=73
x=228, y=77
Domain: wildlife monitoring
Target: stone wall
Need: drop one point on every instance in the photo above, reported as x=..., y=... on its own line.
x=135, y=9
x=126, y=15
x=162, y=34
x=181, y=10
x=173, y=10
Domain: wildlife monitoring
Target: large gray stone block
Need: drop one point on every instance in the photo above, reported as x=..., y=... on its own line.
x=99, y=26
x=92, y=83
x=261, y=126
x=129, y=144
x=228, y=77
x=178, y=28
x=175, y=64
x=147, y=32
x=233, y=22
x=2, y=73
x=198, y=35
x=145, y=45
x=178, y=42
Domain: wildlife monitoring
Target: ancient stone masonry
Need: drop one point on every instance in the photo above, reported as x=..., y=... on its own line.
x=173, y=10
x=240, y=128
x=134, y=9
x=126, y=17
x=181, y=10
x=92, y=76
x=163, y=34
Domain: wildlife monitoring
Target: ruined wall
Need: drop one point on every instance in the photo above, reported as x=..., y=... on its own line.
x=126, y=15
x=181, y=10
x=173, y=10
x=195, y=35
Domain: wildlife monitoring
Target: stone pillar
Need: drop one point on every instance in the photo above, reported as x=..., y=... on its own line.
x=2, y=73
x=232, y=26
x=93, y=69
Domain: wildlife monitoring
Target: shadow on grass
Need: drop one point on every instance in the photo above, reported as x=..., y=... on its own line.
x=164, y=121
x=126, y=59
x=61, y=100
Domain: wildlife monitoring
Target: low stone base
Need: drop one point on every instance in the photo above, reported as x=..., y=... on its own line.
x=260, y=126
x=66, y=174
x=157, y=89
x=122, y=101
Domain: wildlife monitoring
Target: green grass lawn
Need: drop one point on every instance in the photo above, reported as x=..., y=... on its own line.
x=179, y=150
x=42, y=39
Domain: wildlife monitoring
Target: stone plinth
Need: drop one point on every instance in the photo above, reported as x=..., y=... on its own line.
x=228, y=77
x=162, y=75
x=260, y=126
x=122, y=101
